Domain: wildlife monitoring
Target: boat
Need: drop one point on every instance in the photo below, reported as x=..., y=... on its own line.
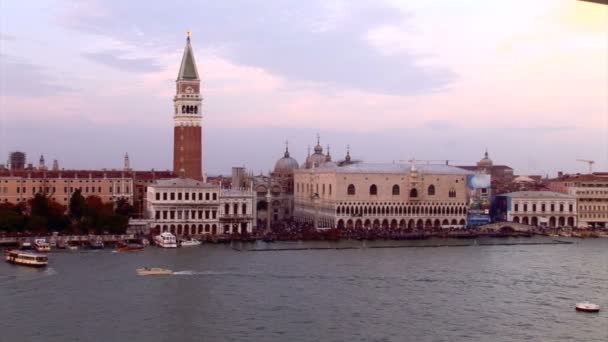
x=72, y=247
x=96, y=243
x=153, y=271
x=26, y=258
x=60, y=244
x=166, y=240
x=587, y=307
x=189, y=243
x=131, y=247
x=42, y=246
x=25, y=245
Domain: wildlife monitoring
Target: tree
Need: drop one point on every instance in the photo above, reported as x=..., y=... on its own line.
x=77, y=205
x=123, y=207
x=12, y=218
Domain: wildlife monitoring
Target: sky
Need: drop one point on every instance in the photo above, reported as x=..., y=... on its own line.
x=85, y=81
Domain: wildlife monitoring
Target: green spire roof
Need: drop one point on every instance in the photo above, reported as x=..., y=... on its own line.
x=187, y=70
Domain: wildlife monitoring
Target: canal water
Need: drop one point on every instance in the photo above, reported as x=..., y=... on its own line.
x=222, y=293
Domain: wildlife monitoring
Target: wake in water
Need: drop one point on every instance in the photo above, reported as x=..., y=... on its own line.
x=191, y=272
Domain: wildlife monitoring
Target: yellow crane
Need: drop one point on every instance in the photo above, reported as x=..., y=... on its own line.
x=590, y=162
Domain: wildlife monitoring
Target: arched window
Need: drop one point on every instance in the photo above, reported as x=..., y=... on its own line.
x=195, y=109
x=244, y=208
x=183, y=109
x=452, y=193
x=396, y=189
x=226, y=209
x=351, y=189
x=373, y=189
x=413, y=193
x=431, y=190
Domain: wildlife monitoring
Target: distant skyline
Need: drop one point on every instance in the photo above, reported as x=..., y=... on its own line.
x=86, y=81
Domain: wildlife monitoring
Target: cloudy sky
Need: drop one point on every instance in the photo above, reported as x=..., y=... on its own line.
x=86, y=81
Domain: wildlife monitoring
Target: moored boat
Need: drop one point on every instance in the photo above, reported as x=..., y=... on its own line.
x=25, y=246
x=166, y=240
x=587, y=307
x=153, y=271
x=189, y=243
x=26, y=258
x=131, y=247
x=42, y=246
x=96, y=243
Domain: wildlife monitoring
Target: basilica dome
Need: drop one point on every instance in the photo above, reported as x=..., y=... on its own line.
x=486, y=161
x=285, y=165
x=316, y=159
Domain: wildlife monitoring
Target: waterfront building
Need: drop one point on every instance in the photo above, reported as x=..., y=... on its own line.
x=187, y=119
x=591, y=192
x=501, y=175
x=185, y=206
x=364, y=195
x=538, y=208
x=21, y=186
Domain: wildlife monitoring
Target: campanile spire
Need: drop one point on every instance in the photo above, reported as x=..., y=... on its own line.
x=187, y=119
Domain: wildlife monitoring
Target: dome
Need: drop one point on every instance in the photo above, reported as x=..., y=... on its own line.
x=315, y=160
x=486, y=161
x=285, y=165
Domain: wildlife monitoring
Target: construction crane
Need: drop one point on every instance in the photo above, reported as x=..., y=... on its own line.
x=590, y=162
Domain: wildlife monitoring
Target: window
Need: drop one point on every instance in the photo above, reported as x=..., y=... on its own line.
x=330, y=189
x=214, y=197
x=200, y=196
x=226, y=209
x=396, y=190
x=206, y=196
x=244, y=208
x=534, y=207
x=413, y=193
x=561, y=207
x=214, y=214
x=173, y=196
x=187, y=196
x=373, y=189
x=542, y=207
x=179, y=196
x=350, y=190
x=235, y=208
x=431, y=190
x=452, y=193
x=158, y=196
x=516, y=208
x=207, y=214
x=164, y=196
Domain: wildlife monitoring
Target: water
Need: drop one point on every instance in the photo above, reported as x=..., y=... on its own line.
x=476, y=293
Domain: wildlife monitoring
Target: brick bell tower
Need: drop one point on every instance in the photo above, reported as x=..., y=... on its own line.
x=187, y=133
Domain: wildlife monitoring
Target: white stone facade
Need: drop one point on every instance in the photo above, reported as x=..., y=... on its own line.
x=190, y=207
x=382, y=196
x=542, y=208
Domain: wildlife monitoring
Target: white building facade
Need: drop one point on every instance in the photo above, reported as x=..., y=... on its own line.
x=184, y=206
x=541, y=208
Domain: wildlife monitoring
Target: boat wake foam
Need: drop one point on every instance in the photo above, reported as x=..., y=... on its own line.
x=191, y=272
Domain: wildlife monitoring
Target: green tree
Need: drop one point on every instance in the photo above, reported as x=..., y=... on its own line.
x=12, y=219
x=77, y=205
x=36, y=223
x=124, y=208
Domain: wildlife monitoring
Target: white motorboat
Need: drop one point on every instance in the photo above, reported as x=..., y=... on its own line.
x=153, y=271
x=166, y=240
x=42, y=246
x=26, y=258
x=189, y=243
x=587, y=307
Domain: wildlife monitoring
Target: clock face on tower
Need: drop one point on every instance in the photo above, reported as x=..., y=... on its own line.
x=189, y=90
